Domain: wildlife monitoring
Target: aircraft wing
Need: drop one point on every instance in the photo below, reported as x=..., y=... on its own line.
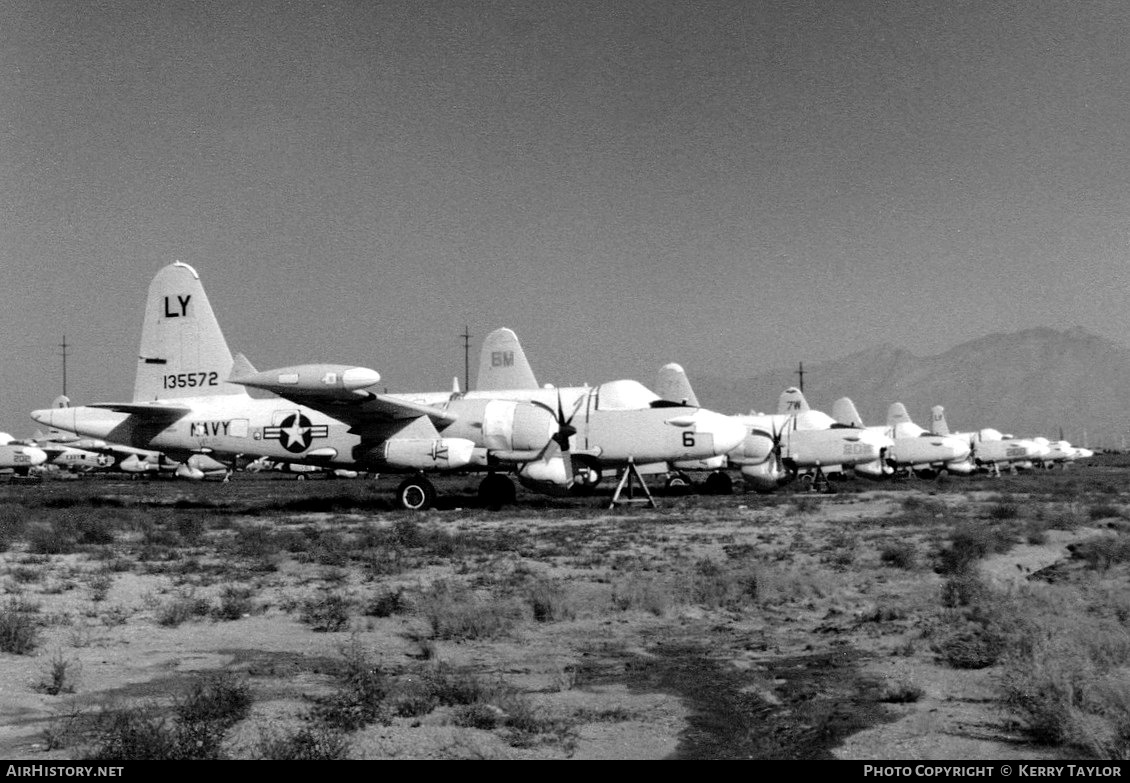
x=341, y=392
x=377, y=408
x=156, y=411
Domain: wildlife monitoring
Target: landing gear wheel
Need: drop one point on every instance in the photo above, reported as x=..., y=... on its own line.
x=496, y=491
x=718, y=484
x=416, y=494
x=300, y=477
x=679, y=484
x=585, y=478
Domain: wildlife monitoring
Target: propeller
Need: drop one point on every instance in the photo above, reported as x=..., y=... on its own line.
x=776, y=435
x=565, y=430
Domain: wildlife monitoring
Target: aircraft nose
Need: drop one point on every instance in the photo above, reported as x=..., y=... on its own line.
x=37, y=456
x=960, y=446
x=875, y=443
x=43, y=416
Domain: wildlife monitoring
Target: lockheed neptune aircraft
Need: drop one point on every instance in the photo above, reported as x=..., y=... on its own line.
x=189, y=399
x=777, y=448
x=913, y=449
x=19, y=458
x=990, y=448
x=80, y=454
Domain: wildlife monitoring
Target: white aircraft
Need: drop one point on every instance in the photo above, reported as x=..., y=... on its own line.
x=810, y=443
x=1060, y=452
x=912, y=449
x=19, y=458
x=82, y=454
x=777, y=448
x=990, y=448
x=671, y=384
x=189, y=399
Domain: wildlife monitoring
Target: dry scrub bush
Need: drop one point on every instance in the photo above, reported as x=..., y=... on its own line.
x=1066, y=678
x=456, y=613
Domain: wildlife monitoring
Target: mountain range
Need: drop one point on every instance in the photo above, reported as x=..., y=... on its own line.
x=1034, y=382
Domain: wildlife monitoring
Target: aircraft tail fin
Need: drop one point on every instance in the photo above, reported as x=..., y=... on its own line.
x=502, y=363
x=844, y=412
x=938, y=424
x=671, y=384
x=62, y=401
x=791, y=402
x=242, y=367
x=183, y=352
x=896, y=415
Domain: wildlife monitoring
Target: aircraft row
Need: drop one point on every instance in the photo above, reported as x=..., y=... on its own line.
x=191, y=414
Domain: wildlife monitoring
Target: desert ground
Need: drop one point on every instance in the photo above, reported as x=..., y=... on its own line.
x=956, y=618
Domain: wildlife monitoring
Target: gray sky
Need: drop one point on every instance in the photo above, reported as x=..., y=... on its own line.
x=735, y=186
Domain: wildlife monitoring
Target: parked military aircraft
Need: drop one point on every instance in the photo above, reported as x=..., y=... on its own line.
x=19, y=458
x=777, y=448
x=990, y=448
x=189, y=399
x=809, y=443
x=81, y=454
x=912, y=449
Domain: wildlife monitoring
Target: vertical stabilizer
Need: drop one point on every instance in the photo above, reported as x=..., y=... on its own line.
x=671, y=384
x=938, y=424
x=502, y=363
x=183, y=352
x=792, y=402
x=844, y=412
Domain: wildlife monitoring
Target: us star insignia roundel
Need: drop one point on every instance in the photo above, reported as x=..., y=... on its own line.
x=296, y=433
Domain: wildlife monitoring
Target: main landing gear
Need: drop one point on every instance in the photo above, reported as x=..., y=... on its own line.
x=496, y=491
x=718, y=483
x=679, y=484
x=416, y=494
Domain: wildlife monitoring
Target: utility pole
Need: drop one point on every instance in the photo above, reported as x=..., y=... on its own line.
x=466, y=358
x=63, y=345
x=800, y=373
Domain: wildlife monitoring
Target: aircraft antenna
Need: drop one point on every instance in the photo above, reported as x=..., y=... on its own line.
x=800, y=374
x=466, y=358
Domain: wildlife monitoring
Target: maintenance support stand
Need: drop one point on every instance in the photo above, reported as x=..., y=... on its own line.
x=628, y=477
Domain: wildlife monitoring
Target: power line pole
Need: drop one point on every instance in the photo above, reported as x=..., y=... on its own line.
x=63, y=345
x=466, y=358
x=800, y=372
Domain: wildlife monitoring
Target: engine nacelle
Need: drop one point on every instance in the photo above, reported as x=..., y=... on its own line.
x=186, y=471
x=546, y=471
x=517, y=426
x=428, y=453
x=874, y=470
x=764, y=477
x=754, y=449
x=206, y=464
x=136, y=463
